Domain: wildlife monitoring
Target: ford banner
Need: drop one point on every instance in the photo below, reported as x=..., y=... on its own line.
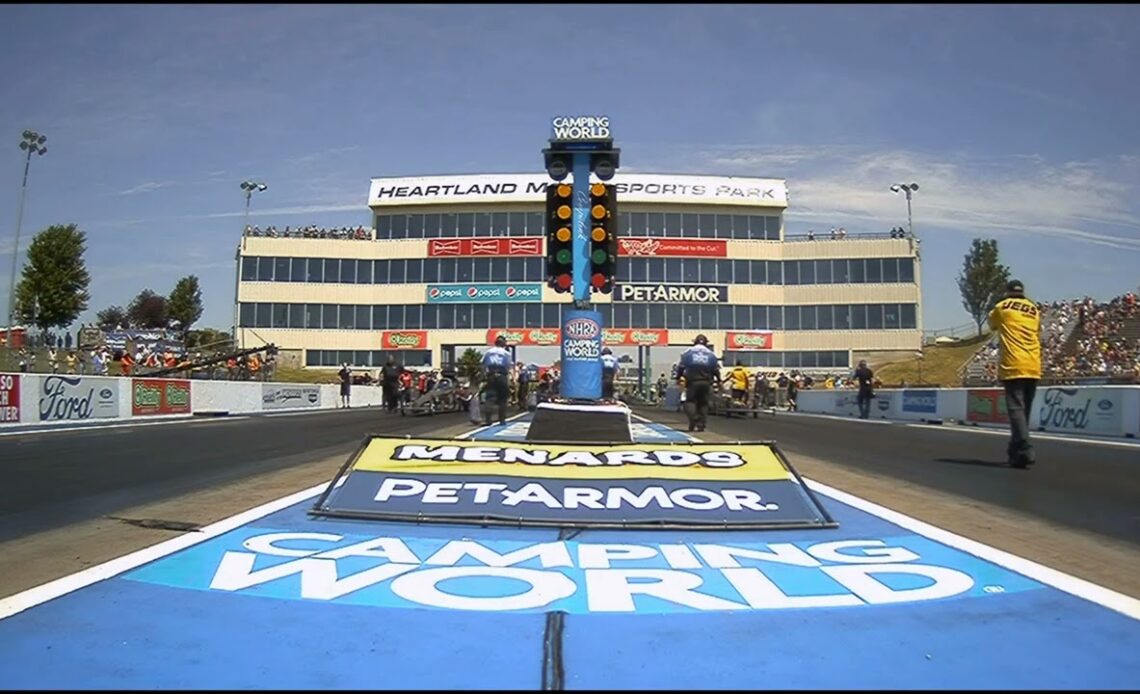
x=1079, y=410
x=78, y=397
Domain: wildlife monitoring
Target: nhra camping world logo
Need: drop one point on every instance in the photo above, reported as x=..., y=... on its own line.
x=583, y=329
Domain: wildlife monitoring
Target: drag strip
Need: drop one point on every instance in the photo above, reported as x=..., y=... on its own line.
x=55, y=478
x=1082, y=485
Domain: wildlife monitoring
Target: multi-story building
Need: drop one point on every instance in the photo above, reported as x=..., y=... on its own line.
x=452, y=260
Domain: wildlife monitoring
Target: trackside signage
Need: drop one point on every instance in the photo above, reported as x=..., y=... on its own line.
x=531, y=188
x=78, y=397
x=481, y=575
x=623, y=484
x=9, y=398
x=1081, y=410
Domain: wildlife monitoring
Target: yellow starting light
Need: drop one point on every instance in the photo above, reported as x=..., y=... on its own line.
x=564, y=190
x=598, y=190
x=598, y=234
x=598, y=211
x=564, y=212
x=563, y=234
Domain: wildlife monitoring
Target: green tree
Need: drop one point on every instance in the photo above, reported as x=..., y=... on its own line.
x=149, y=310
x=982, y=281
x=53, y=287
x=471, y=365
x=185, y=303
x=111, y=317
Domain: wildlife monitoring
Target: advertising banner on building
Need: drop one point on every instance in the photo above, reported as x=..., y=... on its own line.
x=920, y=401
x=150, y=396
x=9, y=398
x=986, y=406
x=672, y=293
x=64, y=398
x=665, y=247
x=275, y=396
x=714, y=484
x=482, y=293
x=633, y=337
x=531, y=188
x=538, y=337
x=581, y=354
x=484, y=246
x=404, y=339
x=752, y=339
x=1080, y=410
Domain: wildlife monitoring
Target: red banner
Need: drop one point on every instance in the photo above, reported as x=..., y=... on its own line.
x=530, y=245
x=706, y=248
x=539, y=337
x=634, y=336
x=159, y=396
x=753, y=339
x=986, y=406
x=9, y=398
x=404, y=339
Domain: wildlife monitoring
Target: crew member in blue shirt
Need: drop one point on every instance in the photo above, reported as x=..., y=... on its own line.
x=701, y=369
x=609, y=371
x=497, y=363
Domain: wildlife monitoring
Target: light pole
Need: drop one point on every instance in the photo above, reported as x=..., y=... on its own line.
x=249, y=187
x=32, y=143
x=908, y=188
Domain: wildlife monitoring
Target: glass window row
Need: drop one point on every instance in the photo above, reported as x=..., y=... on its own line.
x=532, y=269
x=787, y=360
x=417, y=358
x=367, y=358
x=661, y=224
x=534, y=315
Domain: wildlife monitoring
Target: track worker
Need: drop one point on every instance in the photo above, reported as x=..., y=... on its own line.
x=701, y=370
x=609, y=372
x=1017, y=321
x=738, y=378
x=497, y=364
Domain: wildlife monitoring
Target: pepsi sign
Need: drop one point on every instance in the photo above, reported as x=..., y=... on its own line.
x=482, y=293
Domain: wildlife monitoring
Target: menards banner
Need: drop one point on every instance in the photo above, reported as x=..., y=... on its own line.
x=614, y=337
x=584, y=484
x=404, y=339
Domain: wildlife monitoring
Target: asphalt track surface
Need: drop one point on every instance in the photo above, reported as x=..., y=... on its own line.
x=52, y=479
x=1078, y=484
x=55, y=478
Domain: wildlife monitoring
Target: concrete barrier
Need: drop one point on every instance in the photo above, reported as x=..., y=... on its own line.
x=62, y=399
x=1090, y=410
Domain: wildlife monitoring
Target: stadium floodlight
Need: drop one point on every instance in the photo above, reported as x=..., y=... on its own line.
x=908, y=188
x=31, y=142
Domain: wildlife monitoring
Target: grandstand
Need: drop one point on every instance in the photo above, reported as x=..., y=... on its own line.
x=1081, y=339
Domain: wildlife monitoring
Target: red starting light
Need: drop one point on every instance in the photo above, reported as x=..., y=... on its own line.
x=598, y=280
x=563, y=281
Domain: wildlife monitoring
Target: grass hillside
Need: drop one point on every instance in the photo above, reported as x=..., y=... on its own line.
x=940, y=367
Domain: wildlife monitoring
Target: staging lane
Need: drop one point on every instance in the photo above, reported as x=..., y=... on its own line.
x=55, y=478
x=1077, y=484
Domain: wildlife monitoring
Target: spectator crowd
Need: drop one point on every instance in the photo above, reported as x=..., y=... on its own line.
x=1107, y=342
x=312, y=231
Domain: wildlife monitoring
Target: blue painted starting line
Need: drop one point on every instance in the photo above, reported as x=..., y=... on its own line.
x=278, y=599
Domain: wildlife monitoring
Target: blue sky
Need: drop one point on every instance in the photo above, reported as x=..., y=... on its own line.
x=1018, y=122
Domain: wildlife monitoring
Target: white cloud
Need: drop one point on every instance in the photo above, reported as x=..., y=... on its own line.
x=1091, y=201
x=146, y=187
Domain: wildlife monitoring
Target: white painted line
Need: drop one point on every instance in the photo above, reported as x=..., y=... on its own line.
x=1079, y=587
x=62, y=586
x=99, y=427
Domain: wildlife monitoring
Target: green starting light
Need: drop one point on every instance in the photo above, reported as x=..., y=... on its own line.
x=599, y=256
x=563, y=256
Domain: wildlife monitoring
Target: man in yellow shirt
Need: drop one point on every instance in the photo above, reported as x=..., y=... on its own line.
x=738, y=377
x=1017, y=321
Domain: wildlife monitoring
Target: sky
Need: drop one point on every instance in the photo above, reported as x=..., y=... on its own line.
x=1017, y=122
